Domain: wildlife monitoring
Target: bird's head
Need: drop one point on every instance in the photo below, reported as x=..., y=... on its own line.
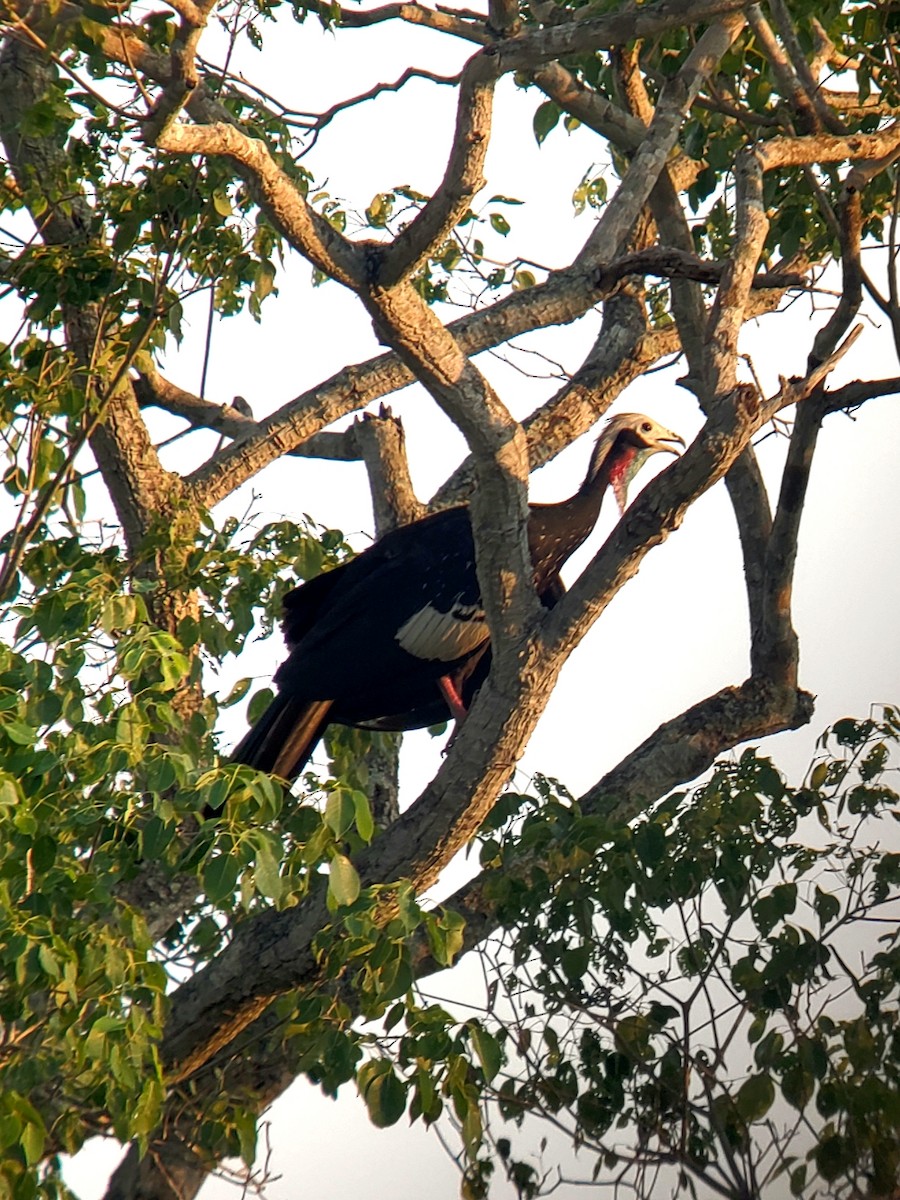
x=624, y=446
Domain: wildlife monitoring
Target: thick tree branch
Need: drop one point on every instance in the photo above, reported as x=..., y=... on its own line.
x=532, y=48
x=499, y=506
x=381, y=443
x=852, y=395
x=804, y=73
x=139, y=486
x=727, y=316
x=305, y=229
x=563, y=297
x=793, y=91
x=503, y=17
x=774, y=644
x=463, y=178
x=619, y=127
x=875, y=148
x=622, y=351
x=612, y=229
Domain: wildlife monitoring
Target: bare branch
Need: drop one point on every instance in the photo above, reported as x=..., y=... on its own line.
x=305, y=229
x=669, y=262
x=623, y=350
x=382, y=445
x=590, y=33
x=788, y=35
x=851, y=292
x=500, y=505
x=322, y=119
x=183, y=79
x=563, y=297
x=876, y=148
x=774, y=644
x=503, y=17
x=791, y=88
x=442, y=20
x=852, y=395
x=463, y=179
x=592, y=109
x=727, y=314
x=621, y=213
x=234, y=420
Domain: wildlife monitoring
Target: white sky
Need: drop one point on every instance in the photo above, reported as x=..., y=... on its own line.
x=674, y=635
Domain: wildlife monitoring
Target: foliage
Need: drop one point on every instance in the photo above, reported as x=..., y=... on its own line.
x=714, y=989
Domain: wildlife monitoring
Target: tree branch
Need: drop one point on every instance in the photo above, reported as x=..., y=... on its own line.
x=563, y=297
x=611, y=230
x=463, y=178
x=774, y=644
x=381, y=443
x=875, y=148
x=825, y=117
x=305, y=229
x=499, y=507
x=796, y=96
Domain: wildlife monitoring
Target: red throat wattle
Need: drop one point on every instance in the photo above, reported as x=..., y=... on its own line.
x=619, y=473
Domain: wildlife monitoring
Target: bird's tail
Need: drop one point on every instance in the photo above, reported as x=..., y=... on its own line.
x=284, y=737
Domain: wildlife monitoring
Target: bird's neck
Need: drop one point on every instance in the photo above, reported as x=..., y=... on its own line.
x=555, y=531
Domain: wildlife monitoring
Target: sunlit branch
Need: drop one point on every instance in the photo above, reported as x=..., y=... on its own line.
x=307, y=231
x=463, y=178
x=791, y=88
x=804, y=74
x=611, y=230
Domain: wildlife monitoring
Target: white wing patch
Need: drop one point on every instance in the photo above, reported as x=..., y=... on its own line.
x=443, y=635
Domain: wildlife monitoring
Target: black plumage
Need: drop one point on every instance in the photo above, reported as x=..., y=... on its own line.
x=397, y=637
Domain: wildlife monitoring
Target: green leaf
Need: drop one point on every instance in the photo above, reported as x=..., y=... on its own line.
x=258, y=705
x=487, y=1048
x=32, y=1142
x=797, y=1086
x=365, y=822
x=20, y=733
x=834, y=1156
x=499, y=224
x=220, y=876
x=221, y=202
x=343, y=881
x=827, y=907
x=819, y=775
x=755, y=1097
x=860, y=1044
x=546, y=118
x=384, y=1095
x=147, y=1110
x=237, y=693
x=340, y=811
x=266, y=872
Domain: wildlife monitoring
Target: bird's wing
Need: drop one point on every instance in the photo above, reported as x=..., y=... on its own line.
x=410, y=599
x=302, y=606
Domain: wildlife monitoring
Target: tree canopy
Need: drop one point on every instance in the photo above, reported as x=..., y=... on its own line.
x=167, y=974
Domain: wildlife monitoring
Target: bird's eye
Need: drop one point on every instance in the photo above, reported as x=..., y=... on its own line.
x=646, y=427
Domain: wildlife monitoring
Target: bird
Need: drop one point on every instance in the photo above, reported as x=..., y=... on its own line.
x=397, y=637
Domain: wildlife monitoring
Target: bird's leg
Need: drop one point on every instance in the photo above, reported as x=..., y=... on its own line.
x=450, y=692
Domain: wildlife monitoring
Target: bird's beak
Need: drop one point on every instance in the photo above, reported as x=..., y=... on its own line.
x=667, y=436
x=660, y=442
